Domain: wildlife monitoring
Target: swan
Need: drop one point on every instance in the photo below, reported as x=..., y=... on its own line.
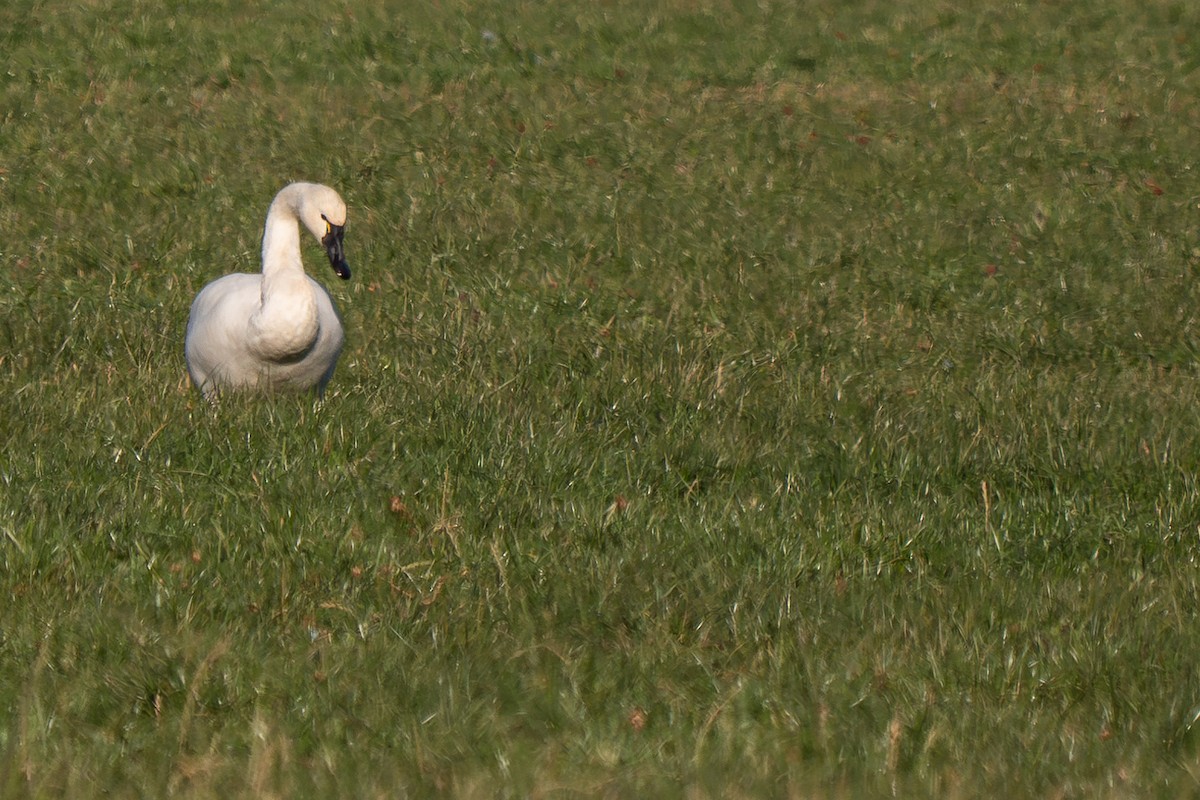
x=277, y=330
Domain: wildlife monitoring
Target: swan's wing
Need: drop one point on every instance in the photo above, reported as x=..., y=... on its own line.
x=216, y=331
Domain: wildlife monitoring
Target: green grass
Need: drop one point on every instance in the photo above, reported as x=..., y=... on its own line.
x=740, y=400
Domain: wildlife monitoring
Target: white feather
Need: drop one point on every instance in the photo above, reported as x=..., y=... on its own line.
x=276, y=330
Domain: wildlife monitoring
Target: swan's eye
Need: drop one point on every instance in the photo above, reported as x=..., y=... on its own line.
x=328, y=227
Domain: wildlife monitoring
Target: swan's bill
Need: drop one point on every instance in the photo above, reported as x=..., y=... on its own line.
x=333, y=247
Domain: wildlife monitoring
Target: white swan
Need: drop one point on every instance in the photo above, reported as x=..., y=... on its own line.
x=277, y=330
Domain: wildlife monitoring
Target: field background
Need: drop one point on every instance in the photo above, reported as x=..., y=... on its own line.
x=740, y=400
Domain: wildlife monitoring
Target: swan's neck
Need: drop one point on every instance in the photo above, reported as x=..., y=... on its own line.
x=285, y=325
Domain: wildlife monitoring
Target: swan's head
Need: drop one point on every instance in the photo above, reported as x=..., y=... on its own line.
x=324, y=213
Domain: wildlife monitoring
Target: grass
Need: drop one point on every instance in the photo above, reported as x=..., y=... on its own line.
x=739, y=401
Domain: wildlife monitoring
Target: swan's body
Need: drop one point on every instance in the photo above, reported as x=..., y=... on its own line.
x=277, y=330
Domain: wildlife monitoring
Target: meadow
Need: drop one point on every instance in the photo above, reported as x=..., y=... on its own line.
x=740, y=399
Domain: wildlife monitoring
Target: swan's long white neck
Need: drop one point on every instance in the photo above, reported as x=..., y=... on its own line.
x=281, y=243
x=285, y=325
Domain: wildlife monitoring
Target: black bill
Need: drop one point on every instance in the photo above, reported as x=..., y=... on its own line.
x=333, y=247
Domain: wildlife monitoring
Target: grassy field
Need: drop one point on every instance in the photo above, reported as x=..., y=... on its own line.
x=739, y=400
